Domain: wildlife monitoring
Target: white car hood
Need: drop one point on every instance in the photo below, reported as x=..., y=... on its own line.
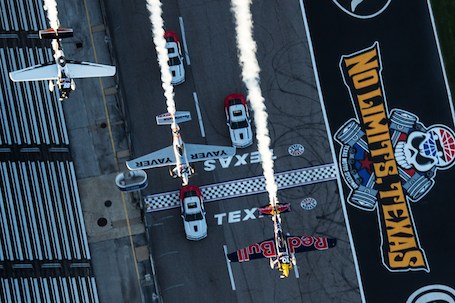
x=241, y=136
x=178, y=73
x=196, y=230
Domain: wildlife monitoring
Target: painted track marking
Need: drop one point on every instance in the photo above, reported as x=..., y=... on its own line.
x=228, y=264
x=245, y=187
x=199, y=116
x=182, y=29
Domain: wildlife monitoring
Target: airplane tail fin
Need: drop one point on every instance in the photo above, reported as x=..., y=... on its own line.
x=270, y=210
x=59, y=33
x=166, y=119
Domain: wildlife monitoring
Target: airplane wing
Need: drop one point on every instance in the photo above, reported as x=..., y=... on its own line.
x=159, y=158
x=201, y=152
x=89, y=70
x=298, y=244
x=264, y=249
x=48, y=71
x=267, y=249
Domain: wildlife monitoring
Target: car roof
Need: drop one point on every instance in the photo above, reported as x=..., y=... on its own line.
x=192, y=205
x=172, y=46
x=237, y=113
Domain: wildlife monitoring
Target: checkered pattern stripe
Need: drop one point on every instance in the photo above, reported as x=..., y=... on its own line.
x=244, y=187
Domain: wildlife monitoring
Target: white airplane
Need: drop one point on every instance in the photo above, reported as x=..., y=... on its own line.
x=179, y=154
x=62, y=70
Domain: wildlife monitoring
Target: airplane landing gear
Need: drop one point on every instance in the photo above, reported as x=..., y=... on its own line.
x=172, y=172
x=51, y=85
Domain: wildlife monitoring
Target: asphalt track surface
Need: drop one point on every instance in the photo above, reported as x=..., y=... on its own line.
x=197, y=271
x=411, y=78
x=411, y=75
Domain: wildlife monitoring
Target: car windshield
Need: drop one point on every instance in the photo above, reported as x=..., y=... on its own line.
x=190, y=193
x=235, y=102
x=240, y=124
x=193, y=217
x=174, y=61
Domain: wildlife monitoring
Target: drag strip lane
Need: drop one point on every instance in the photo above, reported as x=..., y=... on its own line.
x=383, y=87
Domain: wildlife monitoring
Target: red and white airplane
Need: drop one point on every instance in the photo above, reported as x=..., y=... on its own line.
x=179, y=154
x=62, y=71
x=281, y=249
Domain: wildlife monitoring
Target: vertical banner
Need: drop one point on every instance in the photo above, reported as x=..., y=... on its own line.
x=389, y=110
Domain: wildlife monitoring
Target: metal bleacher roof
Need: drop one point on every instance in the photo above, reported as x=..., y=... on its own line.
x=44, y=252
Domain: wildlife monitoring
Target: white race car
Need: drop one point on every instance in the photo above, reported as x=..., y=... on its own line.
x=175, y=58
x=193, y=212
x=238, y=120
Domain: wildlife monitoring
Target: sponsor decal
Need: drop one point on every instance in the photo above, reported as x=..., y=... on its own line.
x=433, y=293
x=388, y=159
x=167, y=118
x=236, y=216
x=363, y=9
x=210, y=154
x=268, y=249
x=308, y=203
x=234, y=161
x=296, y=150
x=153, y=162
x=248, y=214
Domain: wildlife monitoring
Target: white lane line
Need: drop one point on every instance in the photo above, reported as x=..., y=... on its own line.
x=173, y=286
x=441, y=60
x=228, y=264
x=296, y=271
x=171, y=252
x=199, y=116
x=185, y=47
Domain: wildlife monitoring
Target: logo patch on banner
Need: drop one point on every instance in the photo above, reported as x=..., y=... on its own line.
x=388, y=159
x=362, y=9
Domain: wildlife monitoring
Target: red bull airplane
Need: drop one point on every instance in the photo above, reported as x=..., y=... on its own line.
x=281, y=249
x=179, y=154
x=62, y=71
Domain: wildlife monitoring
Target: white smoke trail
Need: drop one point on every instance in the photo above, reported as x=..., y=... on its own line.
x=154, y=7
x=52, y=14
x=250, y=76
